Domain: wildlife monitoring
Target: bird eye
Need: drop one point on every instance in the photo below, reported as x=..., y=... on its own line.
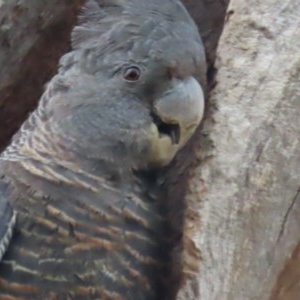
x=132, y=74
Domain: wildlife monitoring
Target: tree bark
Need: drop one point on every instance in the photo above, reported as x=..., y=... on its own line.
x=244, y=196
x=33, y=36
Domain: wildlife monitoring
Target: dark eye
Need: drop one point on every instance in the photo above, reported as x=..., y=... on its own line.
x=132, y=74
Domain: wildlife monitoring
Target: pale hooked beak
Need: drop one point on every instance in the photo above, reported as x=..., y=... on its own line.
x=176, y=115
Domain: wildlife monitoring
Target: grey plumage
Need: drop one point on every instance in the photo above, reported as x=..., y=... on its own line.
x=89, y=225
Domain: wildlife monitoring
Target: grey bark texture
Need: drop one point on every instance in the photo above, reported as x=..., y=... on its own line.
x=33, y=36
x=244, y=196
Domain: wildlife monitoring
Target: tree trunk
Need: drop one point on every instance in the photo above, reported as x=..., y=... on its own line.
x=244, y=201
x=33, y=36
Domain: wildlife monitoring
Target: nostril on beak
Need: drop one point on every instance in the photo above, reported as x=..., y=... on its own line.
x=169, y=129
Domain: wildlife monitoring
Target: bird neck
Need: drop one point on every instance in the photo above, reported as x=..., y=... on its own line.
x=44, y=154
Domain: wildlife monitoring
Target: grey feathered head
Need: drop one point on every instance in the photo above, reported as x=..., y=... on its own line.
x=127, y=93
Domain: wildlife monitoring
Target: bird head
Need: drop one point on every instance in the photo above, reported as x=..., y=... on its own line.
x=131, y=90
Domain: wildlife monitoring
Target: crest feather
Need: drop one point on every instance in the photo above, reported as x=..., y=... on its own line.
x=97, y=17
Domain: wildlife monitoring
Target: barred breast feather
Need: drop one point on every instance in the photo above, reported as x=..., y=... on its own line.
x=75, y=242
